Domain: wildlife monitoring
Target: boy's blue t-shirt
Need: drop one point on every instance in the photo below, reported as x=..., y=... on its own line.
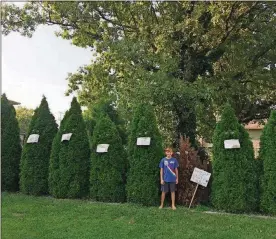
x=169, y=166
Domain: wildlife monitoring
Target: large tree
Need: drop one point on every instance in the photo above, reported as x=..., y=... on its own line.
x=175, y=54
x=10, y=147
x=268, y=157
x=234, y=186
x=35, y=156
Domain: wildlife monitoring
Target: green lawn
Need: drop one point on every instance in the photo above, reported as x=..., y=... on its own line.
x=45, y=217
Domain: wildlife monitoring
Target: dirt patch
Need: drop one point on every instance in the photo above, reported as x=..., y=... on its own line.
x=248, y=215
x=18, y=214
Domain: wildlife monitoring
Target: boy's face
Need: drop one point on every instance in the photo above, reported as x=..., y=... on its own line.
x=168, y=154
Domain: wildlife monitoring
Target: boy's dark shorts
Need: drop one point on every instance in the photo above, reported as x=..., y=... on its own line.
x=168, y=187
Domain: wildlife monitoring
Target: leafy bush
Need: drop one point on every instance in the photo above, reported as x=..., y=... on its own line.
x=268, y=157
x=70, y=160
x=143, y=177
x=108, y=170
x=234, y=186
x=10, y=147
x=35, y=156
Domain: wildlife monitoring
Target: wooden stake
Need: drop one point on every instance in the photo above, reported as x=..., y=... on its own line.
x=193, y=195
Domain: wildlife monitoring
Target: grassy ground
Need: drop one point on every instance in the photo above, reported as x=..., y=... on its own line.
x=45, y=217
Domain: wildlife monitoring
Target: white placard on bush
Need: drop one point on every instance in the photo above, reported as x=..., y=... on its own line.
x=232, y=144
x=143, y=141
x=102, y=148
x=33, y=138
x=200, y=177
x=66, y=137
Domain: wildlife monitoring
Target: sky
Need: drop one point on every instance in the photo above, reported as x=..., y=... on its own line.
x=32, y=67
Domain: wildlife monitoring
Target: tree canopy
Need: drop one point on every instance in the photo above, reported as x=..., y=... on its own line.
x=186, y=58
x=24, y=116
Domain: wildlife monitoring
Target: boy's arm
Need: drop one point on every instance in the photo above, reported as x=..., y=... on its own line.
x=161, y=176
x=176, y=172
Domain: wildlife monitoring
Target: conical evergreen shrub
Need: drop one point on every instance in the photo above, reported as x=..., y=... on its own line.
x=234, y=186
x=71, y=158
x=35, y=156
x=54, y=175
x=108, y=170
x=143, y=181
x=10, y=147
x=268, y=157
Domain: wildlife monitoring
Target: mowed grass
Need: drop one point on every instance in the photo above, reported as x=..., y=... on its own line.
x=44, y=217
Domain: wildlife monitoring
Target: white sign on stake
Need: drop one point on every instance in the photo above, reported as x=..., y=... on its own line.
x=66, y=137
x=200, y=177
x=33, y=138
x=102, y=148
x=232, y=144
x=143, y=141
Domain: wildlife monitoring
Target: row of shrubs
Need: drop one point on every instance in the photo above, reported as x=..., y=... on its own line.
x=73, y=169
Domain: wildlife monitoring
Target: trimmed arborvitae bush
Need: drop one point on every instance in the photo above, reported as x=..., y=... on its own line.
x=234, y=186
x=108, y=170
x=54, y=159
x=10, y=147
x=71, y=158
x=268, y=157
x=143, y=181
x=35, y=156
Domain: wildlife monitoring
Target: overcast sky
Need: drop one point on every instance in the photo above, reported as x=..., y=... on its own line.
x=39, y=65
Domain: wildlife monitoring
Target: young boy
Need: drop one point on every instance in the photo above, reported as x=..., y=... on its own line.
x=168, y=176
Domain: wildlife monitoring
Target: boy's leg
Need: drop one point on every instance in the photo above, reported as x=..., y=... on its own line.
x=164, y=189
x=172, y=190
x=163, y=195
x=173, y=200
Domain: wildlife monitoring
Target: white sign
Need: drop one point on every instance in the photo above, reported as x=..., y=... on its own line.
x=143, y=141
x=232, y=144
x=200, y=177
x=66, y=137
x=33, y=138
x=102, y=148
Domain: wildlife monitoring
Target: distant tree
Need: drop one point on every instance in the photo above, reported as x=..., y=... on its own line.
x=10, y=147
x=24, y=117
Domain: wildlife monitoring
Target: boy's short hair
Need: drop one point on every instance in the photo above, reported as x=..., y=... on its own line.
x=168, y=150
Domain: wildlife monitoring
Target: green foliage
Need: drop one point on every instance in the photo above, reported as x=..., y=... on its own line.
x=35, y=156
x=10, y=147
x=234, y=186
x=159, y=51
x=143, y=176
x=70, y=160
x=24, y=117
x=268, y=157
x=94, y=112
x=54, y=176
x=108, y=170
